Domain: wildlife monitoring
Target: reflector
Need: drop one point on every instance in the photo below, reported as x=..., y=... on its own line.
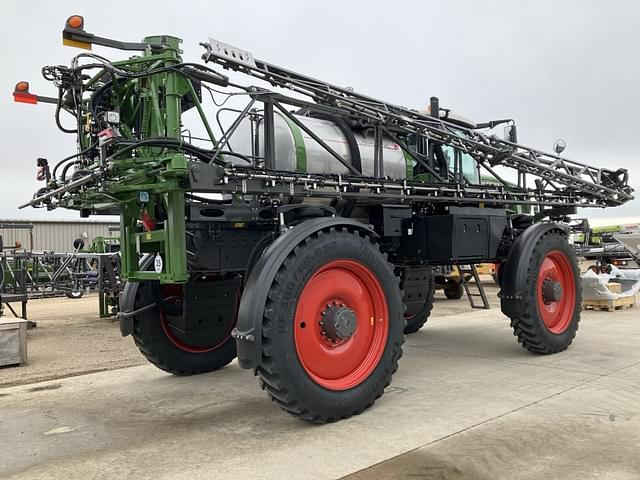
x=74, y=43
x=75, y=21
x=24, y=97
x=22, y=87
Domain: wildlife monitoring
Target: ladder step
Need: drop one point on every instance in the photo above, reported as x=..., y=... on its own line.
x=472, y=286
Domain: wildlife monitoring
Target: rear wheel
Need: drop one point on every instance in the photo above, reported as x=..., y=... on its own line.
x=333, y=327
x=453, y=289
x=197, y=342
x=551, y=295
x=418, y=285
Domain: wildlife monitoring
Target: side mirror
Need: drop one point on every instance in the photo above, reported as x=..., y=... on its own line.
x=510, y=133
x=43, y=173
x=559, y=146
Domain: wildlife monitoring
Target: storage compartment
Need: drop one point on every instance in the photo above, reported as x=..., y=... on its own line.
x=388, y=220
x=464, y=235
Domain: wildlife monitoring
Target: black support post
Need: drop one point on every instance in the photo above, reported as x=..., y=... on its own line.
x=269, y=136
x=378, y=160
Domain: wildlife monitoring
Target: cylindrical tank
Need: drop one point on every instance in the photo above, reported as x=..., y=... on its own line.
x=296, y=151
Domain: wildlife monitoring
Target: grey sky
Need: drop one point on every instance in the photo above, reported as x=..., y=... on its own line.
x=561, y=69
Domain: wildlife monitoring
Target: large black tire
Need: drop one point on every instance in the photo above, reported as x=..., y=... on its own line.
x=286, y=371
x=549, y=326
x=453, y=289
x=153, y=333
x=415, y=319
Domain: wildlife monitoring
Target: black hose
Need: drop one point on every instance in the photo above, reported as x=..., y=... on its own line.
x=167, y=142
x=199, y=153
x=66, y=168
x=57, y=115
x=71, y=157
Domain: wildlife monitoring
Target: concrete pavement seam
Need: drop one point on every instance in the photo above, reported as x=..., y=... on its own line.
x=502, y=415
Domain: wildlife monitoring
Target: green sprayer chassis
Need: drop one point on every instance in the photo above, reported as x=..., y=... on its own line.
x=300, y=234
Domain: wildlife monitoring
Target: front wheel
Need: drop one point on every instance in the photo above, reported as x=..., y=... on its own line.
x=332, y=328
x=551, y=296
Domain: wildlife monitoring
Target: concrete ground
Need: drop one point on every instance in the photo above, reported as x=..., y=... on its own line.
x=71, y=339
x=466, y=403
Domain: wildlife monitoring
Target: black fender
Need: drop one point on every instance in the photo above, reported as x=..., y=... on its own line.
x=128, y=297
x=248, y=331
x=514, y=270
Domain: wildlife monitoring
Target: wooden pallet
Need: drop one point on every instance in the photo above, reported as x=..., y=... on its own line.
x=621, y=303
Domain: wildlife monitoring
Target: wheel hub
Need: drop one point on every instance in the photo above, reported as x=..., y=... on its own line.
x=556, y=291
x=349, y=297
x=551, y=291
x=338, y=322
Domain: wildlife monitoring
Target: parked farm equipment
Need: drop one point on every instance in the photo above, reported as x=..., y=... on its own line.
x=27, y=275
x=607, y=245
x=295, y=235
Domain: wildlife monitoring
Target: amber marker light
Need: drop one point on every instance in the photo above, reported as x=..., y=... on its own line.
x=74, y=35
x=76, y=22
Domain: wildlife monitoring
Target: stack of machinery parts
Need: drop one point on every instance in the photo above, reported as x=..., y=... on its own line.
x=609, y=291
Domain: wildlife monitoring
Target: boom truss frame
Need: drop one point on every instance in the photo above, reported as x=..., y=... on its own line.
x=560, y=180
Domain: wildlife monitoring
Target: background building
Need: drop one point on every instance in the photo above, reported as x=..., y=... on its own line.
x=55, y=235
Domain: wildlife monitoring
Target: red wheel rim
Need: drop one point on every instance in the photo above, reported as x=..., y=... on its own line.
x=172, y=293
x=557, y=315
x=345, y=363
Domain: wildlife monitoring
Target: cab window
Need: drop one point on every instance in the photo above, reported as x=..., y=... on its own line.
x=469, y=165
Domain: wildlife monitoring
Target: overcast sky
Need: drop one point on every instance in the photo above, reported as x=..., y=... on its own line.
x=562, y=69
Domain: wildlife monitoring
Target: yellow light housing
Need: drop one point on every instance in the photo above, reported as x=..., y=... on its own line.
x=75, y=43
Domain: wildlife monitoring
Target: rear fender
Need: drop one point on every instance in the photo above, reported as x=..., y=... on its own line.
x=515, y=269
